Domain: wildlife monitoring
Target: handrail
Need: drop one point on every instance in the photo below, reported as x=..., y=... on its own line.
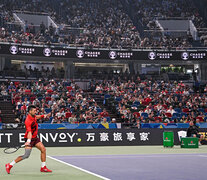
x=75, y=46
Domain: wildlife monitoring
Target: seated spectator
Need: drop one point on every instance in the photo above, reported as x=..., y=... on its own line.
x=113, y=120
x=55, y=120
x=98, y=119
x=81, y=119
x=4, y=94
x=171, y=110
x=72, y=119
x=137, y=124
x=193, y=131
x=104, y=121
x=129, y=117
x=148, y=110
x=104, y=113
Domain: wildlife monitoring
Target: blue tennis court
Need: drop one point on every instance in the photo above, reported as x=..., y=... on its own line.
x=146, y=167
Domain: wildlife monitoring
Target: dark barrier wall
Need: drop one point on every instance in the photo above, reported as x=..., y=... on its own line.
x=109, y=137
x=15, y=50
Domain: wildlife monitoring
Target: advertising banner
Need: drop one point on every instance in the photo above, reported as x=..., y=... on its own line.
x=93, y=137
x=100, y=54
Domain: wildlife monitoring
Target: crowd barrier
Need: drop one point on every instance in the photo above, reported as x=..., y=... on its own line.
x=92, y=137
x=110, y=125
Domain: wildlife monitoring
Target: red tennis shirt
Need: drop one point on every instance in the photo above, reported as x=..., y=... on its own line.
x=31, y=126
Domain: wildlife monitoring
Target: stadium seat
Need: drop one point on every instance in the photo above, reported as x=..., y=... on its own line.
x=200, y=118
x=108, y=119
x=19, y=106
x=68, y=114
x=40, y=98
x=134, y=106
x=16, y=83
x=99, y=110
x=136, y=113
x=69, y=88
x=27, y=91
x=118, y=99
x=107, y=96
x=176, y=114
x=49, y=91
x=178, y=110
x=158, y=119
x=137, y=103
x=32, y=98
x=145, y=115
x=47, y=98
x=48, y=110
x=17, y=99
x=175, y=117
x=183, y=114
x=201, y=110
x=185, y=110
x=169, y=115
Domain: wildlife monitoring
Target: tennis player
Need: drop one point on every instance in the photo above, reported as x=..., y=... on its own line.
x=31, y=140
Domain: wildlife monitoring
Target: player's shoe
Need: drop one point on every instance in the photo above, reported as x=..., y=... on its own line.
x=45, y=169
x=8, y=168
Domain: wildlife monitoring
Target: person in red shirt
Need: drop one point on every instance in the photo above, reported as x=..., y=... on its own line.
x=31, y=140
x=104, y=113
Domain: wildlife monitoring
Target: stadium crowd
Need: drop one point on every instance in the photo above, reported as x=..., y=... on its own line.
x=147, y=12
x=64, y=101
x=142, y=101
x=97, y=23
x=150, y=101
x=104, y=25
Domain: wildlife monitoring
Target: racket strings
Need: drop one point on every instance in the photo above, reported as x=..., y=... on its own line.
x=10, y=150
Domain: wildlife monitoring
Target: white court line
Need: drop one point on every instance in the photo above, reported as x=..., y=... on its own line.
x=203, y=155
x=81, y=169
x=134, y=156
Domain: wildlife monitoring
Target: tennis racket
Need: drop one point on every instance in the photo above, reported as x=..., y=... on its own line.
x=10, y=150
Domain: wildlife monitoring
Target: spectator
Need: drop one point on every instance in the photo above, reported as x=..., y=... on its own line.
x=171, y=110
x=104, y=113
x=193, y=131
x=72, y=119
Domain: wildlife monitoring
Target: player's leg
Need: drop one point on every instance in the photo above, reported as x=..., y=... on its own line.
x=26, y=155
x=42, y=148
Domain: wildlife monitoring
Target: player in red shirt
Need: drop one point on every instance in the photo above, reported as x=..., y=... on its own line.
x=31, y=140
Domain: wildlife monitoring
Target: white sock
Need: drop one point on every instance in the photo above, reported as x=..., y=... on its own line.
x=43, y=164
x=13, y=163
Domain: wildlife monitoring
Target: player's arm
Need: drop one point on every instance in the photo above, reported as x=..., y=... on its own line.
x=42, y=116
x=29, y=134
x=29, y=138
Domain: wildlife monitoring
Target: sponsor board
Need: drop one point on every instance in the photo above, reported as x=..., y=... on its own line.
x=87, y=137
x=102, y=54
x=66, y=137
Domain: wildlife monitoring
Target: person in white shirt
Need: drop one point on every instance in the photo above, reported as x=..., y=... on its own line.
x=171, y=110
x=148, y=110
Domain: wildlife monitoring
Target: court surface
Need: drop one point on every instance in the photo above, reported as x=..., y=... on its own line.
x=127, y=163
